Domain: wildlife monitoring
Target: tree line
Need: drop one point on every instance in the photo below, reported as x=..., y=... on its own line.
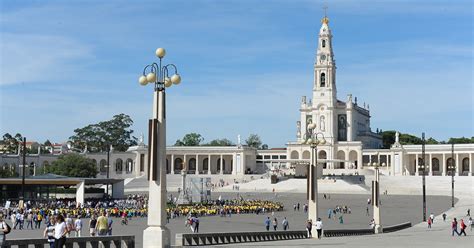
x=196, y=139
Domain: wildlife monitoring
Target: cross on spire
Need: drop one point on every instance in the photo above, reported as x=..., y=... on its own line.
x=325, y=7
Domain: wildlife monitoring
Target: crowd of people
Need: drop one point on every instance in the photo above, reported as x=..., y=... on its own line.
x=224, y=208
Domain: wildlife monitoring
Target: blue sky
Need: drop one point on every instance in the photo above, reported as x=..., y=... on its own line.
x=245, y=64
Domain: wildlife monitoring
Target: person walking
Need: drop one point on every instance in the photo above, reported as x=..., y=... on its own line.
x=49, y=232
x=432, y=217
x=102, y=225
x=92, y=224
x=454, y=227
x=78, y=226
x=463, y=228
x=470, y=223
x=69, y=225
x=319, y=227
x=468, y=212
x=275, y=224
x=29, y=220
x=341, y=220
x=196, y=224
x=309, y=226
x=367, y=211
x=60, y=231
x=4, y=230
x=267, y=223
x=13, y=219
x=109, y=224
x=444, y=216
x=429, y=223
x=329, y=213
x=285, y=224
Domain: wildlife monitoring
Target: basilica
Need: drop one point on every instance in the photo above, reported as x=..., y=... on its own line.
x=350, y=145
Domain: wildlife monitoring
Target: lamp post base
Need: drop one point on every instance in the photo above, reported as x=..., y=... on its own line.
x=156, y=237
x=378, y=229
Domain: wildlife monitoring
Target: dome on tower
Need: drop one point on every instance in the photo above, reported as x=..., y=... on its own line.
x=325, y=20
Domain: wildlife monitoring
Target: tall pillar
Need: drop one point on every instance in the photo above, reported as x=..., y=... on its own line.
x=220, y=166
x=185, y=163
x=157, y=234
x=80, y=193
x=431, y=165
x=172, y=163
x=197, y=164
x=244, y=163
x=312, y=188
x=443, y=165
x=376, y=203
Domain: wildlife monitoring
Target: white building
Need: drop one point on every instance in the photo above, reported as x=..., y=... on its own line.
x=351, y=145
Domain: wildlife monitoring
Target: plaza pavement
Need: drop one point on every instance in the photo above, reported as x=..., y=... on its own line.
x=397, y=209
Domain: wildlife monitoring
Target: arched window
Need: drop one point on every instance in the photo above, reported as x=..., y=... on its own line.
x=465, y=164
x=323, y=155
x=119, y=165
x=192, y=166
x=435, y=164
x=205, y=164
x=103, y=166
x=178, y=165
x=323, y=80
x=324, y=43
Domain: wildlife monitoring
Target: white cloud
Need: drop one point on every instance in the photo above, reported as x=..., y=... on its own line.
x=29, y=58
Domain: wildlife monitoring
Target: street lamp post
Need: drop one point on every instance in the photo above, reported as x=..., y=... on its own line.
x=108, y=168
x=156, y=234
x=376, y=198
x=23, y=170
x=422, y=168
x=452, y=168
x=312, y=173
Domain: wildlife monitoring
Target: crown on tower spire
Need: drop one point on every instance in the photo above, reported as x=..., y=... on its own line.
x=325, y=19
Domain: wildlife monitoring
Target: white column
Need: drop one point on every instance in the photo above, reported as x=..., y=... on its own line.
x=197, y=164
x=172, y=164
x=209, y=171
x=234, y=164
x=458, y=165
x=80, y=193
x=220, y=166
x=431, y=166
x=470, y=164
x=185, y=163
x=443, y=165
x=416, y=165
x=244, y=163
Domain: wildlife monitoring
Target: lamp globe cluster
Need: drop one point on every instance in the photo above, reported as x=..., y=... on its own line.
x=151, y=77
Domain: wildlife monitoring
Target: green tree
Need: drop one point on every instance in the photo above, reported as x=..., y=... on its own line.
x=431, y=141
x=98, y=137
x=253, y=141
x=462, y=140
x=73, y=165
x=6, y=172
x=11, y=142
x=264, y=147
x=220, y=142
x=190, y=139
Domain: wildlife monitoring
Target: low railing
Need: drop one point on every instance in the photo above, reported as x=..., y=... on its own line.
x=195, y=239
x=398, y=227
x=82, y=242
x=347, y=232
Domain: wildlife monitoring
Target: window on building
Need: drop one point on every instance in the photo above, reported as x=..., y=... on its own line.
x=323, y=80
x=259, y=156
x=324, y=43
x=274, y=156
x=282, y=156
x=266, y=157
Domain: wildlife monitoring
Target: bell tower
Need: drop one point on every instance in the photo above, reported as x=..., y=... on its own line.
x=324, y=84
